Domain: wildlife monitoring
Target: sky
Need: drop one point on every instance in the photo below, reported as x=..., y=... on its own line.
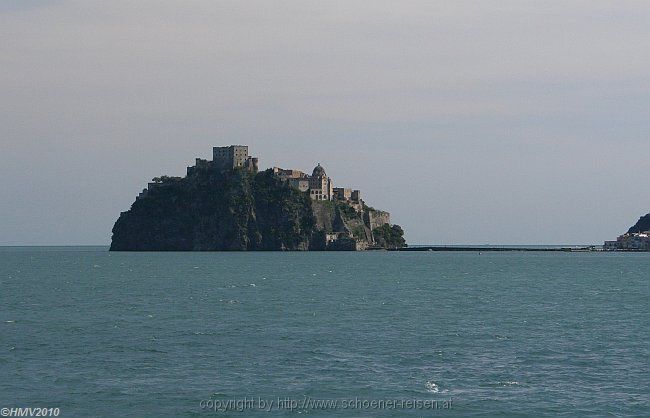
x=472, y=122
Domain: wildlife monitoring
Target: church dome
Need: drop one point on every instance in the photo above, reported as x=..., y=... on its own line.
x=319, y=171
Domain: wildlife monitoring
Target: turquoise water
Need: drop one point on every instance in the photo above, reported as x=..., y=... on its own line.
x=160, y=334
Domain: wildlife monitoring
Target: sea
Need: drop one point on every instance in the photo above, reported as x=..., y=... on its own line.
x=91, y=333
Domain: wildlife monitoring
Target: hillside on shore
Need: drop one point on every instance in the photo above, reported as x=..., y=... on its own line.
x=642, y=225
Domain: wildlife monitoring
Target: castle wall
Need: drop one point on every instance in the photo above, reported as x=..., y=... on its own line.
x=343, y=193
x=289, y=174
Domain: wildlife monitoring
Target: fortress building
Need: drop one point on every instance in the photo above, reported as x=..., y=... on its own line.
x=319, y=186
x=227, y=158
x=233, y=156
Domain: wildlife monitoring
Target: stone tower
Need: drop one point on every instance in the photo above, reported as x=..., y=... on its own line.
x=230, y=157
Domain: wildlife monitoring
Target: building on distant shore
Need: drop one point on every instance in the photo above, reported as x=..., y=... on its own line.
x=638, y=241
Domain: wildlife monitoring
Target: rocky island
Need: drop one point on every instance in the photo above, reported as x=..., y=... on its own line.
x=227, y=204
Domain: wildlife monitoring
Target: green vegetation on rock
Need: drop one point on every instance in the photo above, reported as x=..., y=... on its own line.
x=236, y=210
x=389, y=236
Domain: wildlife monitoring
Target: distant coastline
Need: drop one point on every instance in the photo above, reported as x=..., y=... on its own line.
x=411, y=248
x=637, y=238
x=501, y=248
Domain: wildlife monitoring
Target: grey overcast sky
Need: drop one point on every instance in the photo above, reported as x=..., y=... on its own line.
x=486, y=121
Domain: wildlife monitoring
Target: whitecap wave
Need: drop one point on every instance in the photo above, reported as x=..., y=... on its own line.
x=431, y=387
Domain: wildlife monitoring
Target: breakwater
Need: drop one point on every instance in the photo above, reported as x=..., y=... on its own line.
x=497, y=249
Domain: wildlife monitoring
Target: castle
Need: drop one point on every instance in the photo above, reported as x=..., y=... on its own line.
x=319, y=186
x=339, y=213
